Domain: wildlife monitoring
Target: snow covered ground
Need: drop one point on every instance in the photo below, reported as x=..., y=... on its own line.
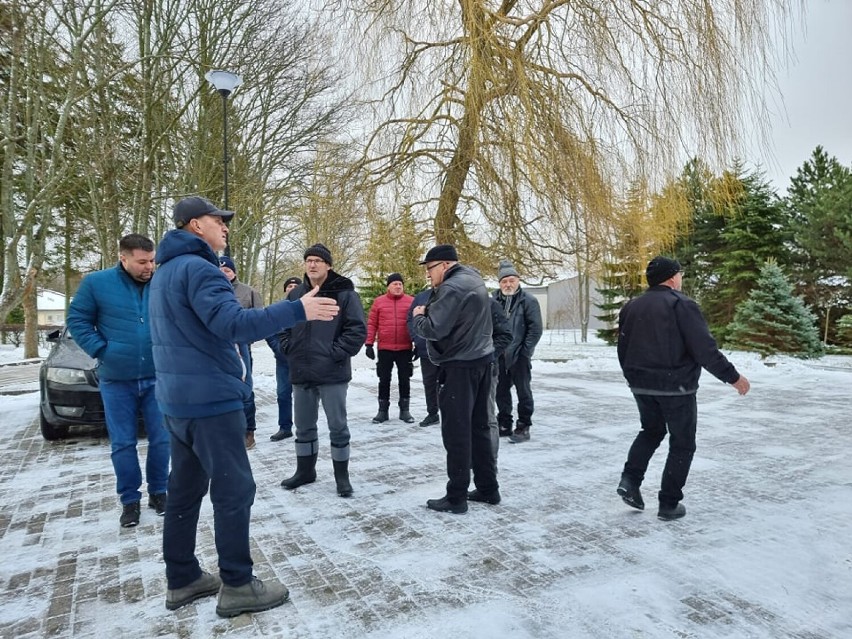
x=763, y=552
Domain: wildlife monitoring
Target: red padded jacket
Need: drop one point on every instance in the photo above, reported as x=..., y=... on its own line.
x=386, y=323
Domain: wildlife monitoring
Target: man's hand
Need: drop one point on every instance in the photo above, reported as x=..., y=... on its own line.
x=319, y=308
x=414, y=355
x=741, y=385
x=418, y=310
x=369, y=352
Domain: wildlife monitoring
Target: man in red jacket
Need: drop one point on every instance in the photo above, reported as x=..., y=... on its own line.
x=387, y=325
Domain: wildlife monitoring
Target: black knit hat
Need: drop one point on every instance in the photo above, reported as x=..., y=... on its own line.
x=441, y=253
x=660, y=269
x=394, y=277
x=226, y=261
x=292, y=280
x=320, y=251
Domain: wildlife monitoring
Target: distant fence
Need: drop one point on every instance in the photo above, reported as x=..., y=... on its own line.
x=13, y=334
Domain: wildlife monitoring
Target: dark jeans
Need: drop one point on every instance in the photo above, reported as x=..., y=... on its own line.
x=284, y=391
x=208, y=452
x=657, y=413
x=404, y=370
x=430, y=384
x=519, y=376
x=463, y=395
x=249, y=406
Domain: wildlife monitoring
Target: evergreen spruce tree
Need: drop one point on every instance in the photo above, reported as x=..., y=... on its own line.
x=619, y=286
x=773, y=320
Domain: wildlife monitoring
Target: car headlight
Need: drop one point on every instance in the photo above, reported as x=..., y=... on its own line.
x=66, y=376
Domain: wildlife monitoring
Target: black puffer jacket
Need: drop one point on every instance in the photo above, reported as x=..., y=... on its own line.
x=321, y=352
x=524, y=313
x=664, y=341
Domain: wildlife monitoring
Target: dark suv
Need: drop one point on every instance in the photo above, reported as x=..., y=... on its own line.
x=68, y=381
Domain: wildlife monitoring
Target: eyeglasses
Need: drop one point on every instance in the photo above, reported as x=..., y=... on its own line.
x=314, y=261
x=429, y=268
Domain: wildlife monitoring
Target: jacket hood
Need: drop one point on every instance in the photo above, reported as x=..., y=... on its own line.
x=179, y=242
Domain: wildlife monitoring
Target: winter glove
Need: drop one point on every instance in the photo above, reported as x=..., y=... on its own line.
x=369, y=352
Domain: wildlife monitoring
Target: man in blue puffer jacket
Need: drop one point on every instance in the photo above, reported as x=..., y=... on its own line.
x=197, y=325
x=108, y=318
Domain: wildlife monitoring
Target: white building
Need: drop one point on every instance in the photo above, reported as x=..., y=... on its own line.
x=50, y=306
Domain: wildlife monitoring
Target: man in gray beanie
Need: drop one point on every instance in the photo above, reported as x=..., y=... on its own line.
x=515, y=364
x=663, y=343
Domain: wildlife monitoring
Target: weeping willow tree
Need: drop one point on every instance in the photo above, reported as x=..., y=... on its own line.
x=499, y=111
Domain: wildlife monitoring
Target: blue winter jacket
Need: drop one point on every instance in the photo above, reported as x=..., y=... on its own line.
x=108, y=318
x=197, y=325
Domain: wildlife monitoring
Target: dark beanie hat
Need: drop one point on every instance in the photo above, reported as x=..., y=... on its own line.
x=660, y=269
x=292, y=280
x=225, y=260
x=394, y=277
x=506, y=269
x=320, y=251
x=441, y=253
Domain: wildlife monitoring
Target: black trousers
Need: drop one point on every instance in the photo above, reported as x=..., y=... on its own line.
x=430, y=384
x=463, y=395
x=677, y=415
x=404, y=371
x=519, y=376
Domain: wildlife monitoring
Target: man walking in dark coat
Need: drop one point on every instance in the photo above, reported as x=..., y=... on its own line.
x=457, y=326
x=663, y=342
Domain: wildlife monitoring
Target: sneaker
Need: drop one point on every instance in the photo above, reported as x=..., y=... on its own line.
x=490, y=498
x=130, y=515
x=669, y=513
x=205, y=586
x=281, y=434
x=250, y=443
x=520, y=435
x=254, y=596
x=158, y=503
x=630, y=494
x=431, y=418
x=444, y=505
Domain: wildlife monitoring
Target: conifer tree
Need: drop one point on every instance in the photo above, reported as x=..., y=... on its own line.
x=773, y=320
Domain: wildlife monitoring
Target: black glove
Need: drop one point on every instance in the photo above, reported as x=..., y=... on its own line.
x=369, y=352
x=414, y=355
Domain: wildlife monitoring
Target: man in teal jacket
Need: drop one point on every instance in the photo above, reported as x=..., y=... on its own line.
x=197, y=325
x=108, y=318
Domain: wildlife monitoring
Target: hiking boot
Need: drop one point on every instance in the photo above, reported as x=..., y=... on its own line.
x=250, y=443
x=281, y=434
x=490, y=498
x=674, y=512
x=205, y=586
x=254, y=596
x=630, y=494
x=444, y=505
x=130, y=515
x=382, y=416
x=520, y=435
x=431, y=418
x=158, y=503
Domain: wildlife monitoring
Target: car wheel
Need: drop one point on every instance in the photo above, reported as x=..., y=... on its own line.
x=49, y=431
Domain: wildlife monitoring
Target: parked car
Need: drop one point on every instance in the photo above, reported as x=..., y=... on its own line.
x=68, y=382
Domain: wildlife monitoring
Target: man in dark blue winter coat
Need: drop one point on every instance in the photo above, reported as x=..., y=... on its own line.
x=108, y=318
x=663, y=342
x=197, y=325
x=320, y=357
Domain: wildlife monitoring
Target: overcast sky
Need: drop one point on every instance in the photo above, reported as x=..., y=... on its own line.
x=817, y=92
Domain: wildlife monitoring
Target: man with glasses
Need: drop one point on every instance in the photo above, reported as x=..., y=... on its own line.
x=456, y=324
x=320, y=358
x=663, y=342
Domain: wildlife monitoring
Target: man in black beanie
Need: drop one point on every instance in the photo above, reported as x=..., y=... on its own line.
x=663, y=342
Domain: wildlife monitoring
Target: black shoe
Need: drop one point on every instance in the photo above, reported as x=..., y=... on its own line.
x=674, y=512
x=444, y=505
x=520, y=435
x=158, y=503
x=490, y=498
x=431, y=418
x=630, y=493
x=281, y=434
x=130, y=515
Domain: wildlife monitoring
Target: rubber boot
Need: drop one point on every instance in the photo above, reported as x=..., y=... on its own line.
x=306, y=472
x=341, y=478
x=404, y=415
x=382, y=415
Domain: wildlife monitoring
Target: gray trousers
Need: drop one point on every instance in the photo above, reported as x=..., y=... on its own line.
x=306, y=401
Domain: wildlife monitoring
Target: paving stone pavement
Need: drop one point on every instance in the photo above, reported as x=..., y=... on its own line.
x=560, y=557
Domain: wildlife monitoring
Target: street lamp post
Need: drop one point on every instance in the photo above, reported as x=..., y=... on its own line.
x=225, y=84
